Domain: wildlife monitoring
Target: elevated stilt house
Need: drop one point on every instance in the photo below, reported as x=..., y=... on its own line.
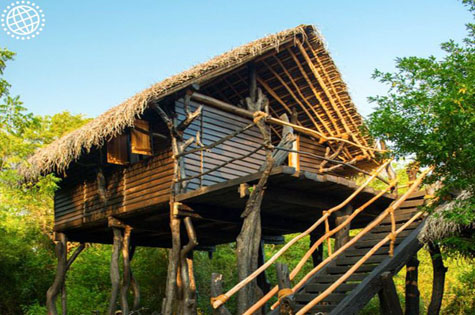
x=254, y=144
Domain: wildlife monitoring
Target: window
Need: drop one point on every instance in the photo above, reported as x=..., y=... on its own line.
x=117, y=150
x=140, y=138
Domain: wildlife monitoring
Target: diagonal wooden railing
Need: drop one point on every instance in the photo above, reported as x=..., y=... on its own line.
x=220, y=300
x=390, y=237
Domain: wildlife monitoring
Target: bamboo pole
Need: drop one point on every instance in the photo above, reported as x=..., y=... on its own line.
x=314, y=247
x=218, y=302
x=360, y=262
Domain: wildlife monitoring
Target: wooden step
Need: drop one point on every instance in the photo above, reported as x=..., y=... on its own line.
x=345, y=261
x=399, y=218
x=333, y=278
x=412, y=203
x=387, y=227
x=357, y=252
x=370, y=243
x=332, y=270
x=307, y=297
x=320, y=287
x=325, y=309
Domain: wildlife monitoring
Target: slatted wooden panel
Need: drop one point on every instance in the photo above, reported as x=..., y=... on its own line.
x=140, y=138
x=213, y=125
x=117, y=150
x=139, y=185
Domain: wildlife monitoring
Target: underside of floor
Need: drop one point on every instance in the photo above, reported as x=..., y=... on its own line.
x=293, y=201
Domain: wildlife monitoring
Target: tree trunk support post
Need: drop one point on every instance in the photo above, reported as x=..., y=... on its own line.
x=58, y=283
x=216, y=291
x=388, y=298
x=248, y=240
x=343, y=236
x=438, y=280
x=285, y=294
x=179, y=145
x=114, y=269
x=412, y=290
x=126, y=270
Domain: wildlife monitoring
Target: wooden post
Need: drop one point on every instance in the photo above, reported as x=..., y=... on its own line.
x=342, y=236
x=438, y=280
x=317, y=255
x=217, y=290
x=248, y=240
x=114, y=271
x=187, y=275
x=287, y=304
x=134, y=284
x=178, y=144
x=262, y=281
x=64, y=302
x=53, y=291
x=412, y=291
x=126, y=270
x=388, y=298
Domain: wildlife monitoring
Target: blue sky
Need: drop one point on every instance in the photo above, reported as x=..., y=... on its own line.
x=92, y=55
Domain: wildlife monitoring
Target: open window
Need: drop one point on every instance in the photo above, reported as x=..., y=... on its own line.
x=118, y=150
x=140, y=141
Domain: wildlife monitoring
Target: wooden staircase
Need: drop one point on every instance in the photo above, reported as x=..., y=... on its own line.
x=362, y=285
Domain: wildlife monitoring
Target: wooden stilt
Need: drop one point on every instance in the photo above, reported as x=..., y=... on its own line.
x=64, y=302
x=114, y=271
x=216, y=291
x=412, y=290
x=126, y=270
x=248, y=240
x=53, y=291
x=317, y=255
x=438, y=280
x=134, y=284
x=286, y=299
x=262, y=281
x=388, y=298
x=343, y=235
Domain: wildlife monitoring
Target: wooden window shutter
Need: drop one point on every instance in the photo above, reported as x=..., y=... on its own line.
x=294, y=158
x=117, y=150
x=140, y=138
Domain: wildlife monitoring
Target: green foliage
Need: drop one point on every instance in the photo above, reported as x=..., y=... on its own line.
x=429, y=114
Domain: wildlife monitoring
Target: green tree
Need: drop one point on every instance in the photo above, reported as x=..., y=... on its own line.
x=428, y=113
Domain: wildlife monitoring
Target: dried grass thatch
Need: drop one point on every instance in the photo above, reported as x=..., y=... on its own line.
x=57, y=156
x=438, y=228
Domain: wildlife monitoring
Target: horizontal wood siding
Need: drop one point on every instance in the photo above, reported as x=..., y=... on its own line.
x=308, y=163
x=213, y=125
x=139, y=185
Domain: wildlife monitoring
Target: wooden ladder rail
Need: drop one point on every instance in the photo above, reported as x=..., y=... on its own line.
x=368, y=228
x=376, y=222
x=314, y=247
x=220, y=300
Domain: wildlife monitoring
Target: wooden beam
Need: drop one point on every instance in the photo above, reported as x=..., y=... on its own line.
x=388, y=298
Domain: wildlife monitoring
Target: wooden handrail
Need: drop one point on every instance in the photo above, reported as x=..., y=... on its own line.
x=308, y=254
x=248, y=114
x=343, y=278
x=217, y=302
x=369, y=227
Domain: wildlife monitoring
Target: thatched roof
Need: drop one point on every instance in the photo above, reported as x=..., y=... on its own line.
x=438, y=228
x=58, y=156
